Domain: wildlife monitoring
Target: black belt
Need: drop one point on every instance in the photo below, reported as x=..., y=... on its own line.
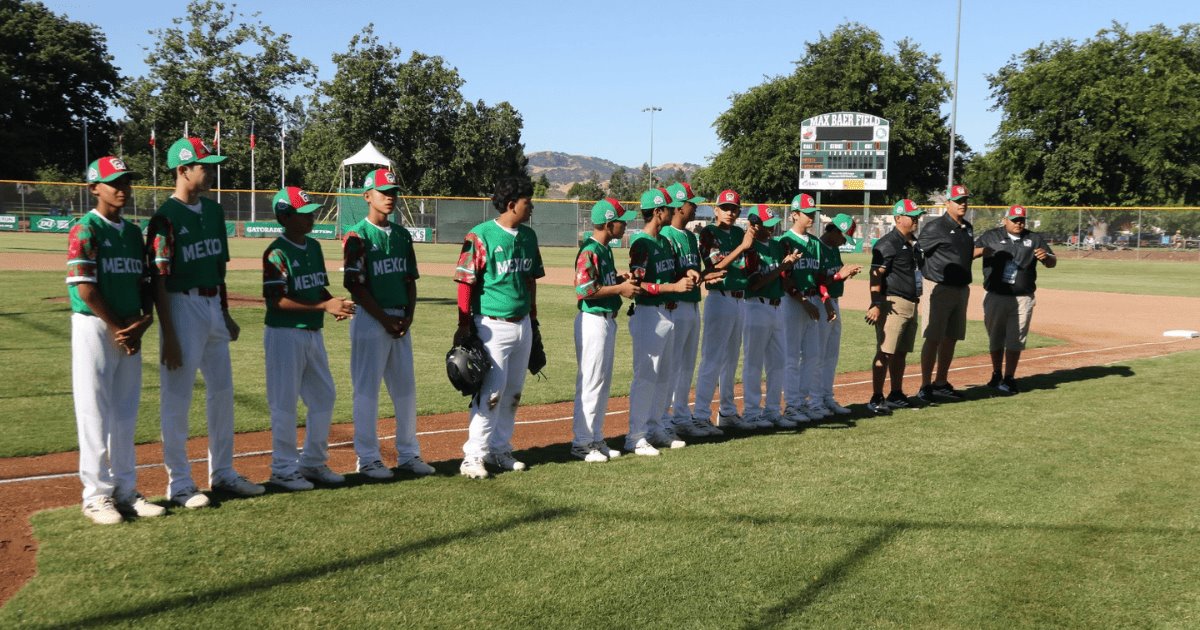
x=203, y=291
x=771, y=301
x=734, y=294
x=605, y=315
x=511, y=320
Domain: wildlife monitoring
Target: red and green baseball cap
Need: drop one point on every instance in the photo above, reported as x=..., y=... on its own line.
x=609, y=209
x=844, y=223
x=956, y=192
x=380, y=179
x=906, y=208
x=1016, y=212
x=292, y=199
x=107, y=169
x=729, y=197
x=805, y=203
x=655, y=198
x=191, y=151
x=681, y=193
x=765, y=214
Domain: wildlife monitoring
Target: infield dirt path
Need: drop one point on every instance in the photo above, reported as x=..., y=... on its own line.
x=1100, y=328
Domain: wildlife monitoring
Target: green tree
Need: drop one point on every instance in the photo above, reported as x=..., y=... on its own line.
x=590, y=190
x=621, y=186
x=541, y=187
x=216, y=65
x=413, y=111
x=1110, y=121
x=848, y=70
x=54, y=74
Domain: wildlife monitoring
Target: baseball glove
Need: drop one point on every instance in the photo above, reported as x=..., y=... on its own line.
x=467, y=364
x=537, y=354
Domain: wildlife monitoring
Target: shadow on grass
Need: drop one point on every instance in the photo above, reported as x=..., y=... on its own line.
x=251, y=587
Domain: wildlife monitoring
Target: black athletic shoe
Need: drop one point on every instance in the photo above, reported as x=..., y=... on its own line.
x=925, y=395
x=947, y=391
x=897, y=400
x=994, y=382
x=879, y=406
x=1009, y=386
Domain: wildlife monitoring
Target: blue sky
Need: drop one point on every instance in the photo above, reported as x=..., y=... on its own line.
x=581, y=73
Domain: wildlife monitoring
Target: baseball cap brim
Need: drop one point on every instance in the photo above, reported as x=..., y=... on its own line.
x=812, y=210
x=914, y=213
x=627, y=217
x=308, y=208
x=962, y=196
x=385, y=187
x=697, y=200
x=115, y=176
x=771, y=222
x=211, y=159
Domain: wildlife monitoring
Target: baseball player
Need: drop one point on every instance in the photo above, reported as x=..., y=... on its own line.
x=762, y=332
x=895, y=291
x=723, y=246
x=1010, y=257
x=682, y=353
x=598, y=293
x=948, y=243
x=833, y=284
x=110, y=311
x=655, y=267
x=187, y=245
x=802, y=316
x=381, y=275
x=497, y=295
x=294, y=281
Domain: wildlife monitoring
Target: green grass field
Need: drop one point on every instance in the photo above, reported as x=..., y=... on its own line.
x=35, y=363
x=1042, y=510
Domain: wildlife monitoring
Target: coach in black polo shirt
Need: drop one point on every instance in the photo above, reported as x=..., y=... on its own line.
x=895, y=292
x=949, y=246
x=1010, y=258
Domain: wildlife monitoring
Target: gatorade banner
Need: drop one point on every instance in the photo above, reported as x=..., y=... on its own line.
x=60, y=225
x=272, y=229
x=231, y=229
x=421, y=235
x=8, y=222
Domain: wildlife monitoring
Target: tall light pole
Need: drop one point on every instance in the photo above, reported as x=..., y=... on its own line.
x=954, y=98
x=650, y=177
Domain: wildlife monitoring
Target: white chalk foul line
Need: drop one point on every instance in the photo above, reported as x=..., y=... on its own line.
x=611, y=413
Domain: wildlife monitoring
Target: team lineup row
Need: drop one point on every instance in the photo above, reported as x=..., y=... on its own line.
x=777, y=297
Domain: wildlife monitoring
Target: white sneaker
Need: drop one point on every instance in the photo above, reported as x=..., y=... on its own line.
x=588, y=453
x=831, y=404
x=664, y=439
x=416, y=466
x=473, y=468
x=778, y=421
x=102, y=511
x=602, y=446
x=643, y=447
x=240, y=486
x=292, y=481
x=376, y=470
x=190, y=498
x=707, y=427
x=796, y=415
x=137, y=505
x=504, y=461
x=321, y=474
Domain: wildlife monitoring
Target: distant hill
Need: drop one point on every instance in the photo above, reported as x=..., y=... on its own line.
x=564, y=169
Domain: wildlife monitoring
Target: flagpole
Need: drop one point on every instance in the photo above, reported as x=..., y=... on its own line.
x=252, y=190
x=154, y=165
x=954, y=99
x=282, y=153
x=217, y=147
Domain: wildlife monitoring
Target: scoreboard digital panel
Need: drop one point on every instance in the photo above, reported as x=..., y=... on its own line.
x=844, y=151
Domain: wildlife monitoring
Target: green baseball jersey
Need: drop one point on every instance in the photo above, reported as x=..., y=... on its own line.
x=767, y=257
x=831, y=263
x=803, y=272
x=298, y=272
x=594, y=269
x=189, y=248
x=687, y=250
x=504, y=263
x=382, y=259
x=715, y=245
x=652, y=260
x=108, y=255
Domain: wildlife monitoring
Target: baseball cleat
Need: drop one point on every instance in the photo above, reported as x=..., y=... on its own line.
x=831, y=404
x=687, y=428
x=736, y=421
x=778, y=420
x=897, y=400
x=602, y=446
x=879, y=406
x=816, y=411
x=137, y=505
x=761, y=421
x=796, y=415
x=291, y=481
x=240, y=486
x=416, y=466
x=321, y=474
x=707, y=427
x=643, y=447
x=664, y=439
x=1009, y=386
x=375, y=470
x=925, y=395
x=588, y=453
x=946, y=390
x=995, y=381
x=504, y=461
x=102, y=511
x=190, y=498
x=473, y=468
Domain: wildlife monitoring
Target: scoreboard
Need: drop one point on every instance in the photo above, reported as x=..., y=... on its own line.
x=844, y=151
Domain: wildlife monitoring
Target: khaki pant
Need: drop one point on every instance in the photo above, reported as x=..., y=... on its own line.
x=896, y=330
x=1006, y=318
x=944, y=311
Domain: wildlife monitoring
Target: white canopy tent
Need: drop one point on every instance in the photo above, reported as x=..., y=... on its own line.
x=371, y=157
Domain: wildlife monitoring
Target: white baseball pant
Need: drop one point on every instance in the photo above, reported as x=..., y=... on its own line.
x=107, y=385
x=494, y=413
x=298, y=368
x=651, y=330
x=831, y=343
x=204, y=345
x=376, y=356
x=762, y=347
x=803, y=352
x=719, y=349
x=595, y=345
x=683, y=362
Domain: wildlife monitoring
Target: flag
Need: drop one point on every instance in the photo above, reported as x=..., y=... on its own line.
x=217, y=140
x=151, y=136
x=251, y=136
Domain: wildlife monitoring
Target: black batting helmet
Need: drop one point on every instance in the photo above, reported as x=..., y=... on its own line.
x=466, y=365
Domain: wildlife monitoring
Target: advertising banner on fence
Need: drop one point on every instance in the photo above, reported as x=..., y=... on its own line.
x=9, y=222
x=51, y=224
x=851, y=246
x=272, y=229
x=421, y=235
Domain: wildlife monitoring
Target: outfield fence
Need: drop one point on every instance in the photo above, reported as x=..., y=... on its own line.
x=32, y=206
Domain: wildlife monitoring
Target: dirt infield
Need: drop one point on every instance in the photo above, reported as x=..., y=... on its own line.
x=1100, y=328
